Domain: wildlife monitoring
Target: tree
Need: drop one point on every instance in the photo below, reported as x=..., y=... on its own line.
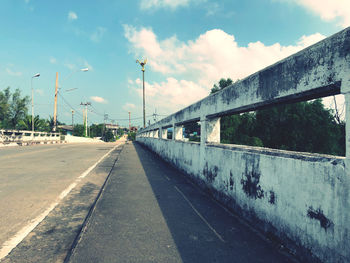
x=39, y=124
x=132, y=136
x=79, y=130
x=13, y=108
x=223, y=83
x=109, y=136
x=303, y=126
x=96, y=130
x=4, y=106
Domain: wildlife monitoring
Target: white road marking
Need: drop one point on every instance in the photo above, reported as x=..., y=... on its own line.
x=167, y=177
x=201, y=217
x=10, y=244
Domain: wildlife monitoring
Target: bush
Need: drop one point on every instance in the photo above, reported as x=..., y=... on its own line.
x=109, y=136
x=132, y=136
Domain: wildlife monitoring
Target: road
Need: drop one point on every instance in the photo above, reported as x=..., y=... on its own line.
x=150, y=212
x=33, y=178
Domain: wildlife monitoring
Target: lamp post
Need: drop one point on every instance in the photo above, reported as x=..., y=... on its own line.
x=56, y=92
x=31, y=85
x=143, y=88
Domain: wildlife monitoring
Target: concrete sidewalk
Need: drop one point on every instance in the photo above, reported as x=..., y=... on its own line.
x=148, y=212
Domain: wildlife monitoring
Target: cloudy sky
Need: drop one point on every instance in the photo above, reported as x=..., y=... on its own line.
x=189, y=46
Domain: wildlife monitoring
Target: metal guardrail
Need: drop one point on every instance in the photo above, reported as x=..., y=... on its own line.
x=28, y=137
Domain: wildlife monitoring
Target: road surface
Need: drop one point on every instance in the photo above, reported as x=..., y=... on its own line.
x=34, y=178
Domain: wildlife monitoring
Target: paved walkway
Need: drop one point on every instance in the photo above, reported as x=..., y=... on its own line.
x=148, y=212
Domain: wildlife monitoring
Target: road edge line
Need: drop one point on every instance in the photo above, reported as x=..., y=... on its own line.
x=88, y=216
x=12, y=243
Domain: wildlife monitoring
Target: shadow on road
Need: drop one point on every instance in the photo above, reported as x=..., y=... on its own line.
x=201, y=229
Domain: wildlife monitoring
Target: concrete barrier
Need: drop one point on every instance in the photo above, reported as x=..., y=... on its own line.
x=18, y=137
x=302, y=199
x=76, y=139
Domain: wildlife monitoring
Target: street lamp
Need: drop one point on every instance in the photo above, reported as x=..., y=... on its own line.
x=31, y=85
x=143, y=88
x=56, y=91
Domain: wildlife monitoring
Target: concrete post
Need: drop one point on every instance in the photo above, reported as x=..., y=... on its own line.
x=165, y=133
x=347, y=127
x=178, y=132
x=173, y=135
x=210, y=130
x=213, y=130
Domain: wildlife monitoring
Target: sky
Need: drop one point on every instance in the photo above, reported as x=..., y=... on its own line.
x=189, y=45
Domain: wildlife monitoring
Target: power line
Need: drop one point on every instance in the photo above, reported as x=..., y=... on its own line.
x=65, y=101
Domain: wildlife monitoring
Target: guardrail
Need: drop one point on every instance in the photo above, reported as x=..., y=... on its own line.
x=301, y=198
x=28, y=137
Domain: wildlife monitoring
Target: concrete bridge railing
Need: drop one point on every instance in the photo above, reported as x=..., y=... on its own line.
x=27, y=137
x=302, y=199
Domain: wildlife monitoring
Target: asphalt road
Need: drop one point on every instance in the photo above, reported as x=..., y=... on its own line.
x=33, y=177
x=149, y=212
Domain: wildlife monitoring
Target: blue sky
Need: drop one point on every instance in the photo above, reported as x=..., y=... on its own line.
x=189, y=44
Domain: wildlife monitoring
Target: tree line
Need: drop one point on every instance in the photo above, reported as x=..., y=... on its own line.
x=14, y=115
x=303, y=126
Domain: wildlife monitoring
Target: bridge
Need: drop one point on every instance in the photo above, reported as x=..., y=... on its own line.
x=171, y=200
x=302, y=199
x=18, y=137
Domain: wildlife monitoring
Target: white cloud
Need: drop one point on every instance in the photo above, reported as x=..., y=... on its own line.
x=13, y=73
x=172, y=4
x=53, y=60
x=170, y=95
x=98, y=99
x=98, y=34
x=202, y=62
x=129, y=106
x=329, y=10
x=72, y=16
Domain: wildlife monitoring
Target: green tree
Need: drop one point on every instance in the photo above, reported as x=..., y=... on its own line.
x=39, y=124
x=79, y=130
x=303, y=126
x=4, y=106
x=96, y=130
x=109, y=136
x=13, y=108
x=223, y=83
x=132, y=136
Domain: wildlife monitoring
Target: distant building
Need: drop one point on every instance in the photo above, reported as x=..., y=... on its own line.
x=113, y=128
x=67, y=129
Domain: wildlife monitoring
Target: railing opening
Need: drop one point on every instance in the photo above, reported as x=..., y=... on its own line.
x=192, y=132
x=304, y=127
x=170, y=132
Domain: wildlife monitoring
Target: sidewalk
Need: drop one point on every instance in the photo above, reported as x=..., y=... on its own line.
x=148, y=212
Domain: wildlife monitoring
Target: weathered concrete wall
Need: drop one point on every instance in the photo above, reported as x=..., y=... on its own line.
x=303, y=199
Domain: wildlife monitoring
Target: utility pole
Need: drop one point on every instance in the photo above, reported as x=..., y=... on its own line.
x=31, y=85
x=129, y=122
x=55, y=109
x=155, y=115
x=85, y=115
x=72, y=119
x=143, y=89
x=105, y=118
